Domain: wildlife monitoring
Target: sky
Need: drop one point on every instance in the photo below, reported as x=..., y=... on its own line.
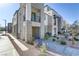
x=6, y=12
x=70, y=12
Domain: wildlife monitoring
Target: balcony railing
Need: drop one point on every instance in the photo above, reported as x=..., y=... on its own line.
x=36, y=18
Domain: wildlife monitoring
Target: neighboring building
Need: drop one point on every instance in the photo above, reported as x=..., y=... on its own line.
x=53, y=21
x=14, y=23
x=28, y=21
x=9, y=27
x=65, y=25
x=48, y=22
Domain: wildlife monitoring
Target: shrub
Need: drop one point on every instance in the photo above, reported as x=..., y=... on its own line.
x=32, y=43
x=57, y=37
x=59, y=32
x=76, y=39
x=54, y=35
x=47, y=35
x=77, y=34
x=62, y=42
x=53, y=40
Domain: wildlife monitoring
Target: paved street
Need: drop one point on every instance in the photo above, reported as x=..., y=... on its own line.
x=6, y=47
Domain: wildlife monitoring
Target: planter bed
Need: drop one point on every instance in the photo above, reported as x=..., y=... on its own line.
x=62, y=49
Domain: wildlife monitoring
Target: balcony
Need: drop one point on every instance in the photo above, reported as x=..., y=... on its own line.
x=36, y=18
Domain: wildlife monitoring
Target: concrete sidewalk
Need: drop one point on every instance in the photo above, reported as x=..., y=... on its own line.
x=6, y=47
x=25, y=49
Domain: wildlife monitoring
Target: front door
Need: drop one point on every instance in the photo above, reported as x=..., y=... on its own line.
x=35, y=31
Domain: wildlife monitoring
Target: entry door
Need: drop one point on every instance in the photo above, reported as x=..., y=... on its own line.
x=35, y=31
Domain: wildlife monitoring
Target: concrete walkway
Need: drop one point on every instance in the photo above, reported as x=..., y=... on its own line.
x=6, y=47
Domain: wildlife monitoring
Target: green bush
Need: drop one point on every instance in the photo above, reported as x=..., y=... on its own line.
x=76, y=39
x=77, y=34
x=46, y=36
x=53, y=40
x=57, y=37
x=54, y=36
x=62, y=42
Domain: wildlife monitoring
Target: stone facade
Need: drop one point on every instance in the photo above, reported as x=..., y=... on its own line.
x=33, y=19
x=30, y=16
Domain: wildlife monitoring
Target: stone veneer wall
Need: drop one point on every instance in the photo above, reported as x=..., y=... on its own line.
x=28, y=30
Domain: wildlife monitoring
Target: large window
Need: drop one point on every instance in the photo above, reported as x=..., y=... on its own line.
x=33, y=18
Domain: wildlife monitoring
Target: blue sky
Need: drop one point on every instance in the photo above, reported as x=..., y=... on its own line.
x=7, y=11
x=70, y=12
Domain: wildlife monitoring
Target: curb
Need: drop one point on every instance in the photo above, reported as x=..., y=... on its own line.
x=55, y=54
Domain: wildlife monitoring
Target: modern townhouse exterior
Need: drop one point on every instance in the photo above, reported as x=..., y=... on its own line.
x=29, y=21
x=53, y=21
x=35, y=19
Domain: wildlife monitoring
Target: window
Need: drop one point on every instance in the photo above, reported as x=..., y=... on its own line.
x=54, y=30
x=54, y=19
x=24, y=17
x=48, y=9
x=33, y=18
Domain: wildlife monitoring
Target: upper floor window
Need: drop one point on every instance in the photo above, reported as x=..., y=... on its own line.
x=48, y=9
x=54, y=19
x=55, y=31
x=24, y=17
x=33, y=16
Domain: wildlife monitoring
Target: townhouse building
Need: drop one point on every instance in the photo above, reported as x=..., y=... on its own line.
x=28, y=21
x=34, y=20
x=53, y=21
